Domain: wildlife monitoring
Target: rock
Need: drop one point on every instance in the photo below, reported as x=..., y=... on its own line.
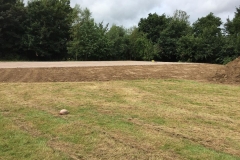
x=63, y=112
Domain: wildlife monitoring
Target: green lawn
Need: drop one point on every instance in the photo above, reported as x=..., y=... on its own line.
x=142, y=119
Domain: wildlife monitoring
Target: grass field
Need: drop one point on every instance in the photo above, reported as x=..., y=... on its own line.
x=141, y=119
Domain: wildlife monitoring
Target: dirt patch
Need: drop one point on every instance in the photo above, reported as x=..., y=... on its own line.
x=199, y=72
x=230, y=73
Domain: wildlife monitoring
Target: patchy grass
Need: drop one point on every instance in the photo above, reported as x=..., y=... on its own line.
x=143, y=119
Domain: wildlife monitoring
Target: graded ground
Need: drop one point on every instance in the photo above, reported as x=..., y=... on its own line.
x=104, y=71
x=134, y=112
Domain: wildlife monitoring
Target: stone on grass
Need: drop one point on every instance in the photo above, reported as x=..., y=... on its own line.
x=63, y=112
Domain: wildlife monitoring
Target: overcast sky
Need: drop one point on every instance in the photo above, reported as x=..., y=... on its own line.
x=128, y=12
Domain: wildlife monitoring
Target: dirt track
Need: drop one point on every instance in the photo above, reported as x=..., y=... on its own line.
x=80, y=64
x=103, y=71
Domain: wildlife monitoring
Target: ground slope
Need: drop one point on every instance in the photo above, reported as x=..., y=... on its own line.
x=199, y=72
x=230, y=73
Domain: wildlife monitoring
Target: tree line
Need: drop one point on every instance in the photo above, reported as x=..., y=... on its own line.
x=53, y=30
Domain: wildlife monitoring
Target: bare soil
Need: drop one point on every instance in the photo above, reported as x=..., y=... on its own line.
x=230, y=74
x=121, y=71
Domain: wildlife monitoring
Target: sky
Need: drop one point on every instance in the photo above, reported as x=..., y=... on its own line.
x=127, y=13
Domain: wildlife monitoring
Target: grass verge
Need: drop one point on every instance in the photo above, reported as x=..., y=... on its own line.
x=142, y=119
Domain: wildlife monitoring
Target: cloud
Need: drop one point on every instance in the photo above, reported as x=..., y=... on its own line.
x=129, y=12
x=120, y=12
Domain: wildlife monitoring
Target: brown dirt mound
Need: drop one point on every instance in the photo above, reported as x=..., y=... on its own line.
x=230, y=73
x=199, y=72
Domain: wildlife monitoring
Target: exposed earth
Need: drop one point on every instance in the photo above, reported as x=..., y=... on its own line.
x=230, y=73
x=117, y=70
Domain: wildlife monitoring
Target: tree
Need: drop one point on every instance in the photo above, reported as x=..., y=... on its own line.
x=119, y=40
x=232, y=26
x=164, y=32
x=205, y=43
x=181, y=16
x=47, y=28
x=231, y=49
x=12, y=16
x=189, y=48
x=88, y=39
x=178, y=26
x=141, y=48
x=153, y=25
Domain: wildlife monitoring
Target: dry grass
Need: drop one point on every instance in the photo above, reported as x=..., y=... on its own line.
x=145, y=119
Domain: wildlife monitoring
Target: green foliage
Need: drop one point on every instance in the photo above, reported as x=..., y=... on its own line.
x=186, y=47
x=52, y=30
x=169, y=37
x=181, y=16
x=119, y=40
x=164, y=32
x=231, y=47
x=204, y=43
x=236, y=30
x=209, y=25
x=12, y=16
x=141, y=48
x=88, y=39
x=236, y=22
x=47, y=28
x=153, y=25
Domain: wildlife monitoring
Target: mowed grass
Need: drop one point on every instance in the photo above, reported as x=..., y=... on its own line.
x=142, y=119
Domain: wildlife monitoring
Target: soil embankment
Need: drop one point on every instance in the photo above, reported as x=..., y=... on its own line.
x=199, y=72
